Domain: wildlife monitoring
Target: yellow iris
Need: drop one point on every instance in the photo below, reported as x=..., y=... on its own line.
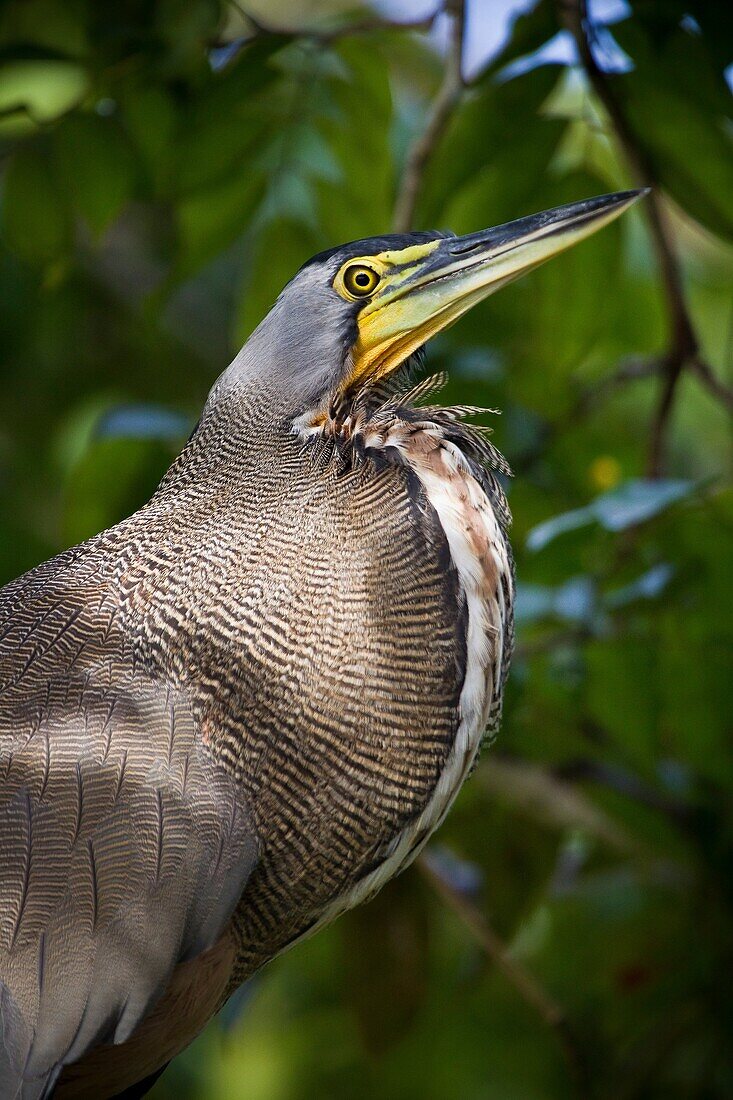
x=359, y=280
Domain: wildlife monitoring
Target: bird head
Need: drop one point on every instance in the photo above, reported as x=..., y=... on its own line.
x=354, y=314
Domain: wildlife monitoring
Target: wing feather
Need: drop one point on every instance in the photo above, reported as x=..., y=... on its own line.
x=124, y=847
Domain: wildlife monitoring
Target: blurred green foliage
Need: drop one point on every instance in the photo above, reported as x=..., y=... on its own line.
x=166, y=168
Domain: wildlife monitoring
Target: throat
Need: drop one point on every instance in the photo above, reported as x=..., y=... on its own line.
x=339, y=416
x=391, y=423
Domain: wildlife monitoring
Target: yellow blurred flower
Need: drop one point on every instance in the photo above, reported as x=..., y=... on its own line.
x=604, y=472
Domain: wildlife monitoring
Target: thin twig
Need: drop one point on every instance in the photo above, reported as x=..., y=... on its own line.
x=551, y=1013
x=439, y=115
x=683, y=346
x=704, y=372
x=631, y=370
x=673, y=364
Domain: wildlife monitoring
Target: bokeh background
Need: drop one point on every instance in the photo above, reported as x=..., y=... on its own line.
x=166, y=166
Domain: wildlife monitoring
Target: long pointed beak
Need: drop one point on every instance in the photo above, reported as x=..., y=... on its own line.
x=421, y=299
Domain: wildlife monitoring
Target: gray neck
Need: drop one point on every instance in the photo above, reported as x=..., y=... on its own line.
x=294, y=358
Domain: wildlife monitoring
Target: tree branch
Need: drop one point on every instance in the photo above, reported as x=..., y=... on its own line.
x=439, y=115
x=551, y=1013
x=683, y=346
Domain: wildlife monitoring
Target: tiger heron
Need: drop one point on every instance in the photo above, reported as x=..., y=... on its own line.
x=242, y=710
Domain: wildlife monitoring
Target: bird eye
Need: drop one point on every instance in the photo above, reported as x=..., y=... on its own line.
x=360, y=280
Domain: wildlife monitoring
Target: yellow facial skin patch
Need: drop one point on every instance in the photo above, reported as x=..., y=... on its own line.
x=392, y=267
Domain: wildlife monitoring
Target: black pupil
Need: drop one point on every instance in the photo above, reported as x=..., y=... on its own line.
x=362, y=279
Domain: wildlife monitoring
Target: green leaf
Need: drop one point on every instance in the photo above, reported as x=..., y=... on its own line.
x=680, y=109
x=150, y=119
x=631, y=503
x=45, y=25
x=213, y=218
x=36, y=92
x=96, y=167
x=646, y=587
x=228, y=146
x=36, y=222
x=356, y=196
x=224, y=128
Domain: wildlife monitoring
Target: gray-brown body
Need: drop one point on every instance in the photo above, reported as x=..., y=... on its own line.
x=215, y=721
